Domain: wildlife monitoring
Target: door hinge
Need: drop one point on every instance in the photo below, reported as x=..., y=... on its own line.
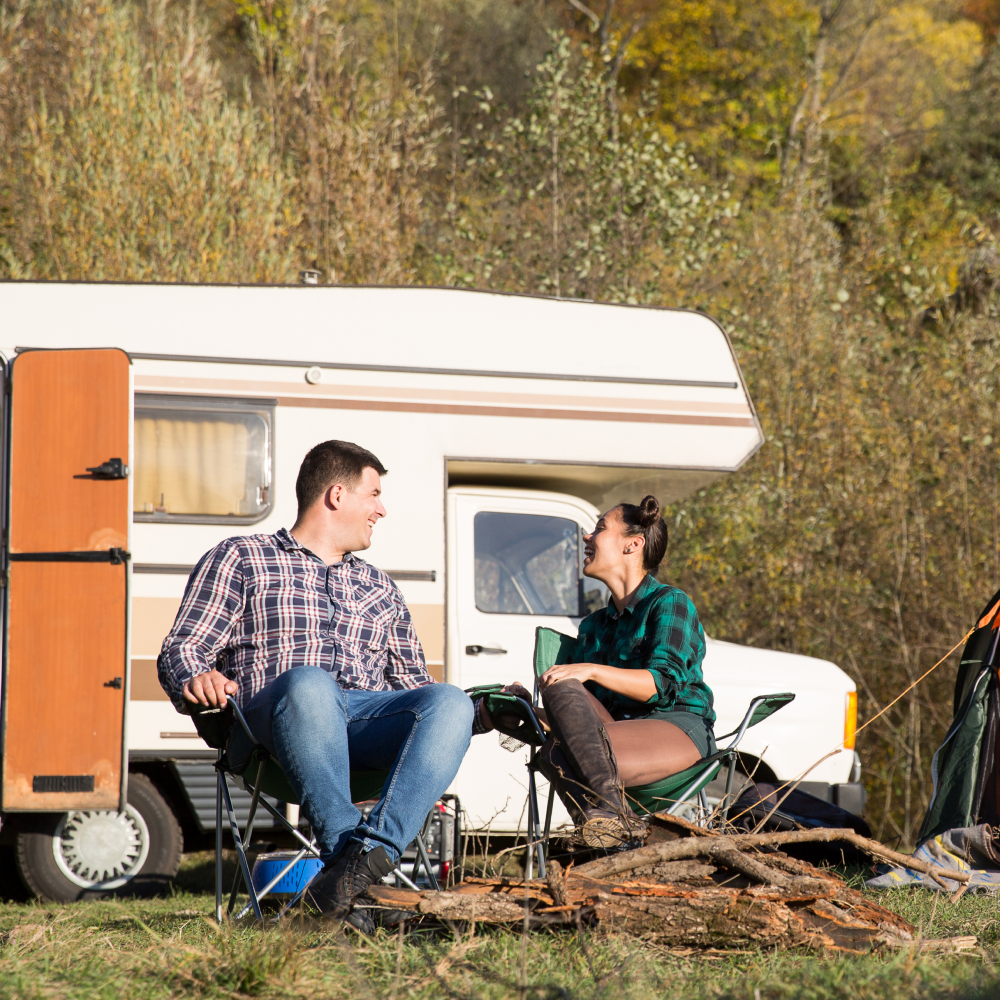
x=116, y=684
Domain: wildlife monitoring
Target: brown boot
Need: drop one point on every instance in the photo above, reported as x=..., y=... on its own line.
x=581, y=765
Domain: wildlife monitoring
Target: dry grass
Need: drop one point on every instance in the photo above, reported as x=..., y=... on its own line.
x=172, y=948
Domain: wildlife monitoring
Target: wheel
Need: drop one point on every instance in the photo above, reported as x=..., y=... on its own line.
x=94, y=853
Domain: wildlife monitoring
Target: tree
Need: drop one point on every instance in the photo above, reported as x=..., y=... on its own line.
x=575, y=197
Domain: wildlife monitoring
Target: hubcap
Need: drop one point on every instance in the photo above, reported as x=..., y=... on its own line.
x=100, y=848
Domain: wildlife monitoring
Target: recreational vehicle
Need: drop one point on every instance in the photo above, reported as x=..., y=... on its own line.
x=146, y=423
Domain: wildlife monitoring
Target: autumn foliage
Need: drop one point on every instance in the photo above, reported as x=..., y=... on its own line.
x=820, y=175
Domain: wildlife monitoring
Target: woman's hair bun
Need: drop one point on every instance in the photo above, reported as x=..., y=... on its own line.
x=644, y=519
x=649, y=511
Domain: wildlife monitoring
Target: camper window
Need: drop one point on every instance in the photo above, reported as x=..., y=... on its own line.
x=527, y=564
x=202, y=460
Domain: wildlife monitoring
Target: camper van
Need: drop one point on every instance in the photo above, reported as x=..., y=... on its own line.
x=146, y=423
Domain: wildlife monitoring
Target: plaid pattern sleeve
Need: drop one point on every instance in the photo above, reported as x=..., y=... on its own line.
x=674, y=652
x=209, y=612
x=658, y=631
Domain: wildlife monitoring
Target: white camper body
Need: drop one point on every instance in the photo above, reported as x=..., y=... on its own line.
x=480, y=405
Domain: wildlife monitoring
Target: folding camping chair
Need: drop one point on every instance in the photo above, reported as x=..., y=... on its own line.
x=671, y=793
x=263, y=776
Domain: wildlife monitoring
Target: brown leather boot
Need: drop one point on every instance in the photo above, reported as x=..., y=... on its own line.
x=581, y=765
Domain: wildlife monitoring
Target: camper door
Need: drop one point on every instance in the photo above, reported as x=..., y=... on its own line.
x=65, y=668
x=517, y=565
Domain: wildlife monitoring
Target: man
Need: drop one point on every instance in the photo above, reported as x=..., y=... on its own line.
x=318, y=648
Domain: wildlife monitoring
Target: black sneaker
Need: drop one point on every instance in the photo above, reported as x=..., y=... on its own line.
x=343, y=880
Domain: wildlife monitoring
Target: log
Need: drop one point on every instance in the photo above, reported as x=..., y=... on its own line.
x=792, y=904
x=693, y=847
x=675, y=871
x=767, y=916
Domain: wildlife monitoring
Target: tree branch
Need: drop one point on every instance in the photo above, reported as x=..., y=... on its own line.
x=692, y=847
x=586, y=11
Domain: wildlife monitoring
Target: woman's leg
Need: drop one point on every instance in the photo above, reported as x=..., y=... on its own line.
x=650, y=749
x=580, y=762
x=646, y=749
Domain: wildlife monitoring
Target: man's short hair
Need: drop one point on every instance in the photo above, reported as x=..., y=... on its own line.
x=332, y=462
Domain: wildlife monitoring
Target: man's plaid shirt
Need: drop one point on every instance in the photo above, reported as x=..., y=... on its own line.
x=258, y=605
x=657, y=631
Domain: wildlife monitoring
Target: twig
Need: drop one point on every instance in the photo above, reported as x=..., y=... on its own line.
x=692, y=847
x=902, y=694
x=796, y=783
x=399, y=959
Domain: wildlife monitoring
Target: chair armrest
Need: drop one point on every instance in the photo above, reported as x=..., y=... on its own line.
x=213, y=724
x=501, y=705
x=482, y=689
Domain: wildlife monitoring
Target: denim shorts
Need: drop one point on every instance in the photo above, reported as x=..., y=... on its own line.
x=696, y=727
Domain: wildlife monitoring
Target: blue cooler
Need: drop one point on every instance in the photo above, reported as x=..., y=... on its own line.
x=267, y=866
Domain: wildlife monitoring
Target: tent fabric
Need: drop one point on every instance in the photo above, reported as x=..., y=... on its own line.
x=969, y=849
x=966, y=780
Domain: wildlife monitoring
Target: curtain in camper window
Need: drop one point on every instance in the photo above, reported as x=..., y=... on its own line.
x=203, y=464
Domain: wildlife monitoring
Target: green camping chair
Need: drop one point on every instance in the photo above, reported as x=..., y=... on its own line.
x=263, y=776
x=671, y=793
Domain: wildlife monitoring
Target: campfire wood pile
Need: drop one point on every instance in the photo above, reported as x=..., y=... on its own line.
x=689, y=887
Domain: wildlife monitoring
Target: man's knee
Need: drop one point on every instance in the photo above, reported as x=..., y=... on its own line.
x=306, y=690
x=447, y=703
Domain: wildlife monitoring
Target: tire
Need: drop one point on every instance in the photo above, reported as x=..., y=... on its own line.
x=93, y=854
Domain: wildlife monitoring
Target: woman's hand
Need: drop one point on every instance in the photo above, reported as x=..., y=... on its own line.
x=635, y=684
x=566, y=672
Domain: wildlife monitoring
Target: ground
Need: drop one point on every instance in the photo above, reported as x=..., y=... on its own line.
x=171, y=947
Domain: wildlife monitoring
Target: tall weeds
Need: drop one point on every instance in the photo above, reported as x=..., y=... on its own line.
x=866, y=531
x=124, y=159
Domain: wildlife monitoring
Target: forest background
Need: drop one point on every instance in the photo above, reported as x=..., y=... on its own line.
x=820, y=175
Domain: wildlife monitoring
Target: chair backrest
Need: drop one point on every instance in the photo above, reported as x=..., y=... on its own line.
x=768, y=705
x=762, y=707
x=551, y=648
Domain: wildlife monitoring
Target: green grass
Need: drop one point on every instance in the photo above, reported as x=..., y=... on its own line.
x=171, y=948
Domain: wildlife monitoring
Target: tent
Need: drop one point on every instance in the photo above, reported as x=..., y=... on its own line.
x=965, y=768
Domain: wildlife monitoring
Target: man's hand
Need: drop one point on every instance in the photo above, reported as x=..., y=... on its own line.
x=567, y=671
x=209, y=689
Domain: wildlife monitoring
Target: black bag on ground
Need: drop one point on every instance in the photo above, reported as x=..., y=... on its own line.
x=798, y=810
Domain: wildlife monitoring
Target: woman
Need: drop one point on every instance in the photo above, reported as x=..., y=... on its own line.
x=633, y=707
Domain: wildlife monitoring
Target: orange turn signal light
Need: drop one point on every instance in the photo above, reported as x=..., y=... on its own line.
x=850, y=719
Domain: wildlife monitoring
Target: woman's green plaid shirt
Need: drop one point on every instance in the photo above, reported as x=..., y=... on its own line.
x=658, y=631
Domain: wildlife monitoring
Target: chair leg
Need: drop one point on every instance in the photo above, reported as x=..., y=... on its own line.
x=274, y=881
x=284, y=824
x=703, y=802
x=534, y=824
x=241, y=851
x=548, y=817
x=726, y=802
x=248, y=833
x=529, y=873
x=422, y=852
x=218, y=844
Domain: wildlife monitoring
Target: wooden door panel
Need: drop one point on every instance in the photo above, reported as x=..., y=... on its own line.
x=65, y=668
x=70, y=413
x=67, y=642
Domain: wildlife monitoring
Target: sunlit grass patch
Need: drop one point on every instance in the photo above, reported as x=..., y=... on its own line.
x=171, y=947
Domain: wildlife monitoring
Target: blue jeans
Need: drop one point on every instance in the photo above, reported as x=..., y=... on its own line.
x=318, y=732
